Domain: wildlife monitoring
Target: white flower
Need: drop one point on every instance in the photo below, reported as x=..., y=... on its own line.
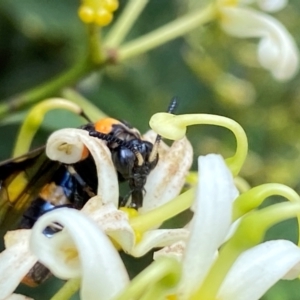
x=268, y=5
x=80, y=250
x=277, y=50
x=15, y=261
x=163, y=184
x=257, y=269
x=254, y=272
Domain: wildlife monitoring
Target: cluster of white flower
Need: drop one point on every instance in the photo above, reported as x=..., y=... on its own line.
x=277, y=50
x=83, y=249
x=213, y=261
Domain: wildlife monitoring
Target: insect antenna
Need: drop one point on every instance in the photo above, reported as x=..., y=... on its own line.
x=172, y=106
x=85, y=116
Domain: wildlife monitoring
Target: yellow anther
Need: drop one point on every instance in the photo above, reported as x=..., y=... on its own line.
x=67, y=148
x=111, y=5
x=131, y=212
x=86, y=14
x=171, y=297
x=138, y=236
x=70, y=253
x=103, y=17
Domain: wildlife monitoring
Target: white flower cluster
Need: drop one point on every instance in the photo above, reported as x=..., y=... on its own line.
x=277, y=50
x=83, y=250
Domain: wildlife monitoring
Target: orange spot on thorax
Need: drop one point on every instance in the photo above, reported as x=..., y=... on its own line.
x=105, y=125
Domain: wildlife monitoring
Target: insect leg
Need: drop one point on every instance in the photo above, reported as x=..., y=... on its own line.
x=85, y=187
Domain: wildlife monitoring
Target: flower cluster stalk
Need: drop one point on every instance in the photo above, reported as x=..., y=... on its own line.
x=97, y=59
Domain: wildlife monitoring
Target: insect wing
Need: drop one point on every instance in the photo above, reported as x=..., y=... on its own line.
x=21, y=180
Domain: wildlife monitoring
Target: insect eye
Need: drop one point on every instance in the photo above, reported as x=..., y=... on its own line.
x=124, y=160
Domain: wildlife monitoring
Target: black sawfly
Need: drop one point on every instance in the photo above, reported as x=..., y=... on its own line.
x=32, y=184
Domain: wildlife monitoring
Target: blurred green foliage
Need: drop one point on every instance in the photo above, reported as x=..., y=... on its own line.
x=40, y=39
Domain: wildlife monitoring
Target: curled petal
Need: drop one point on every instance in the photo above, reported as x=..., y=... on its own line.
x=175, y=250
x=272, y=5
x=267, y=5
x=68, y=146
x=81, y=249
x=158, y=238
x=15, y=261
x=257, y=269
x=167, y=179
x=210, y=223
x=113, y=222
x=277, y=50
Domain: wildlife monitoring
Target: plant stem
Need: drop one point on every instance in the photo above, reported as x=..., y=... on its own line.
x=89, y=108
x=165, y=270
x=95, y=49
x=68, y=289
x=124, y=23
x=146, y=221
x=96, y=59
x=34, y=119
x=253, y=198
x=167, y=33
x=46, y=89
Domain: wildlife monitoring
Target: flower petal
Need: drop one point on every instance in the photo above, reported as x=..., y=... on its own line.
x=175, y=250
x=80, y=249
x=167, y=179
x=257, y=269
x=277, y=50
x=76, y=140
x=113, y=222
x=266, y=5
x=210, y=223
x=272, y=5
x=15, y=261
x=158, y=238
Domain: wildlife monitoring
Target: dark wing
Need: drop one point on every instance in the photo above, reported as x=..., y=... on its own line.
x=21, y=180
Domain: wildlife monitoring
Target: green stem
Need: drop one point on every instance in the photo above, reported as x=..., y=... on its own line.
x=95, y=51
x=167, y=33
x=146, y=221
x=164, y=271
x=45, y=90
x=124, y=23
x=241, y=184
x=255, y=197
x=249, y=234
x=95, y=58
x=89, y=108
x=68, y=289
x=34, y=119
